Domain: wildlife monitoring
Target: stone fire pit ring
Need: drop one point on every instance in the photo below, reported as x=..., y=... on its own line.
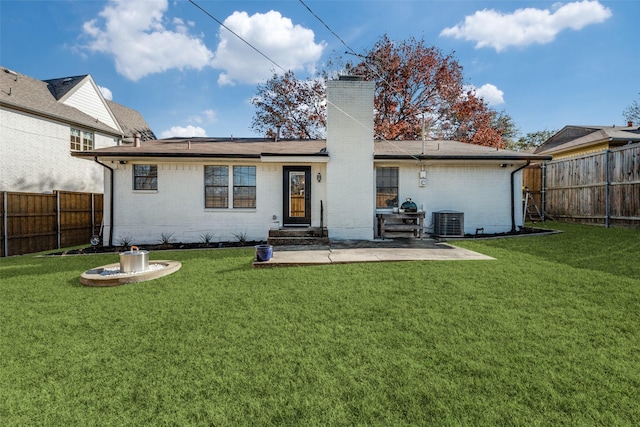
x=110, y=275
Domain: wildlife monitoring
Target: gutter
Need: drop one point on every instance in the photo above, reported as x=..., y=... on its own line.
x=72, y=122
x=513, y=198
x=111, y=183
x=460, y=157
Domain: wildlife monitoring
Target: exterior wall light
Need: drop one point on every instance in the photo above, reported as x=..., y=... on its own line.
x=319, y=177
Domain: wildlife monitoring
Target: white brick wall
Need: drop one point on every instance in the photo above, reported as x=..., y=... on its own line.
x=350, y=176
x=481, y=191
x=178, y=205
x=35, y=156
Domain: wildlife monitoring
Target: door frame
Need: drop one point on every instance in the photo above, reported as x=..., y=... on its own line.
x=296, y=221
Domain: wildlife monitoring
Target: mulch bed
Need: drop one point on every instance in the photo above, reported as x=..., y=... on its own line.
x=99, y=249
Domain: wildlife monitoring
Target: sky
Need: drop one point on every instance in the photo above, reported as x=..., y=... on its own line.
x=546, y=64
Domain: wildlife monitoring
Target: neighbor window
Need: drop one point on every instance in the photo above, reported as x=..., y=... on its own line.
x=386, y=187
x=87, y=141
x=81, y=140
x=244, y=186
x=76, y=143
x=216, y=186
x=145, y=177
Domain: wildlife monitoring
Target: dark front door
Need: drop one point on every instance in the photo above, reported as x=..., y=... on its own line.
x=296, y=209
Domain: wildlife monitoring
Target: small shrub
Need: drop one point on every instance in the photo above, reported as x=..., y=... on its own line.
x=125, y=240
x=207, y=238
x=241, y=237
x=165, y=238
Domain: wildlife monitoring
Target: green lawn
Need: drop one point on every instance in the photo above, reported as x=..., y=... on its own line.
x=546, y=334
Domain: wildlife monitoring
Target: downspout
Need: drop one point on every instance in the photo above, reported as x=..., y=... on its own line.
x=111, y=183
x=513, y=198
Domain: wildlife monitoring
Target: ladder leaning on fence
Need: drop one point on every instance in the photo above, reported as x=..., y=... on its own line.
x=531, y=210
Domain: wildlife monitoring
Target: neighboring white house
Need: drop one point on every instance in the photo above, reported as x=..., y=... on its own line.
x=188, y=188
x=41, y=122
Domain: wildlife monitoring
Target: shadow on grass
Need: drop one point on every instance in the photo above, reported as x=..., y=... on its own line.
x=608, y=250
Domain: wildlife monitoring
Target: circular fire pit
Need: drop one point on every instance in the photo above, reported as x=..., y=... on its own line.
x=111, y=275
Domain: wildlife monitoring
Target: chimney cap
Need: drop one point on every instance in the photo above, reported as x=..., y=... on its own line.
x=351, y=78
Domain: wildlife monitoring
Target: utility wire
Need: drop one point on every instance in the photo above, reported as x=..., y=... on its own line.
x=274, y=62
x=237, y=35
x=366, y=127
x=375, y=71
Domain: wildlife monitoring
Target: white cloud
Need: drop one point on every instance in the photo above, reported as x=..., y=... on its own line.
x=291, y=46
x=134, y=34
x=183, y=132
x=106, y=93
x=488, y=92
x=490, y=28
x=208, y=116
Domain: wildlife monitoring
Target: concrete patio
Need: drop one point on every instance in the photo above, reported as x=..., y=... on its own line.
x=351, y=251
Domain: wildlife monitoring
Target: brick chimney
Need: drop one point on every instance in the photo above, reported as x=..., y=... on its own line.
x=350, y=174
x=630, y=124
x=136, y=140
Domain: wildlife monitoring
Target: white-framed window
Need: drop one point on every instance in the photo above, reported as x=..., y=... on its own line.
x=216, y=186
x=87, y=141
x=76, y=140
x=81, y=140
x=244, y=186
x=386, y=187
x=220, y=179
x=145, y=177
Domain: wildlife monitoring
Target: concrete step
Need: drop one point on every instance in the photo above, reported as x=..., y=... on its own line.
x=297, y=232
x=297, y=240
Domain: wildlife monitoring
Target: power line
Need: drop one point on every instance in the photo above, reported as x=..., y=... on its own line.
x=368, y=128
x=237, y=35
x=375, y=71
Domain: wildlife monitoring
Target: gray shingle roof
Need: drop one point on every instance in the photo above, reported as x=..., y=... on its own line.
x=575, y=137
x=131, y=122
x=257, y=147
x=24, y=93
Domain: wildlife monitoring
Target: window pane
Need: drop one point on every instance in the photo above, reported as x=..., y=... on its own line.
x=75, y=139
x=216, y=197
x=386, y=187
x=244, y=197
x=244, y=175
x=87, y=141
x=145, y=177
x=216, y=175
x=216, y=186
x=244, y=186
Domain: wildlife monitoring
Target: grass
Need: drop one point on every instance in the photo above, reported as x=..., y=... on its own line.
x=547, y=334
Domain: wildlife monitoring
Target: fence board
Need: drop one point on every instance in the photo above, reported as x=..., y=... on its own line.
x=32, y=222
x=598, y=188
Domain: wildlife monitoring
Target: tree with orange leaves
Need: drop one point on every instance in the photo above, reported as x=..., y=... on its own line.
x=413, y=83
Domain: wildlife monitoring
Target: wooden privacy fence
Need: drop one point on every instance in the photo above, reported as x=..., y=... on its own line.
x=33, y=222
x=599, y=188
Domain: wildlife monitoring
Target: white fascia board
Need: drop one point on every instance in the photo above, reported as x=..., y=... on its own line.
x=294, y=159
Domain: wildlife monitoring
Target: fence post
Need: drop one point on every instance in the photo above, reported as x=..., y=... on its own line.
x=606, y=188
x=5, y=218
x=543, y=190
x=58, y=219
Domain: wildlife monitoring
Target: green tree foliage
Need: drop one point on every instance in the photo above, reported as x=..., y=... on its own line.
x=531, y=140
x=632, y=112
